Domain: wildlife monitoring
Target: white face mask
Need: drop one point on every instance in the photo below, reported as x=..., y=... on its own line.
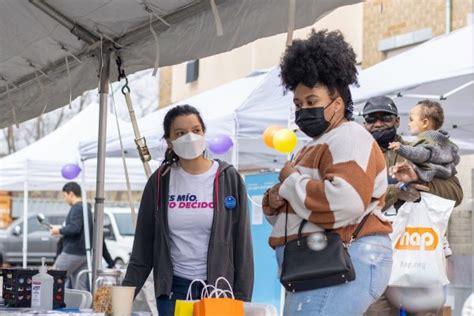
x=189, y=146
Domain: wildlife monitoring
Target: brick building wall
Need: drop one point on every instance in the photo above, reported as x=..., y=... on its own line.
x=460, y=232
x=166, y=76
x=388, y=18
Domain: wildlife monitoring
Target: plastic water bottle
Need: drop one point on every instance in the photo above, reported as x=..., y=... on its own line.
x=42, y=289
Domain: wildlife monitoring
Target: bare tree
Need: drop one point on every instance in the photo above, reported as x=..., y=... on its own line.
x=31, y=131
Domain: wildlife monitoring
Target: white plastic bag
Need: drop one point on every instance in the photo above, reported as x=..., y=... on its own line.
x=417, y=239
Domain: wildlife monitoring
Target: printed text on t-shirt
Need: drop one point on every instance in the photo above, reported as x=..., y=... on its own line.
x=187, y=201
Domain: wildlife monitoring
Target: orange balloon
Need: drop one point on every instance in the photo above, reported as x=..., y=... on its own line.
x=269, y=133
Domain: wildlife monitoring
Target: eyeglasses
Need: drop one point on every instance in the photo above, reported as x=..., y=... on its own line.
x=386, y=118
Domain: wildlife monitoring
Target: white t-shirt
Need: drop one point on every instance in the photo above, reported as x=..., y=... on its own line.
x=190, y=215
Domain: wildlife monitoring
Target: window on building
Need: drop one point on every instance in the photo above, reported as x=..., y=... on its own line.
x=395, y=45
x=192, y=71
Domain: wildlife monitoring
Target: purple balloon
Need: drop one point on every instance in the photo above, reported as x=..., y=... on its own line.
x=220, y=144
x=70, y=171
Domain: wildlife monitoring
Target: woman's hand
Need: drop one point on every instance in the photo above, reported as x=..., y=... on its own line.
x=275, y=201
x=287, y=170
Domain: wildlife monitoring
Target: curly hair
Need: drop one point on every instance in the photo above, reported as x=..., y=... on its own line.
x=323, y=58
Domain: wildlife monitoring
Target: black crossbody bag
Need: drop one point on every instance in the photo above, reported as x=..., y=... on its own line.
x=306, y=269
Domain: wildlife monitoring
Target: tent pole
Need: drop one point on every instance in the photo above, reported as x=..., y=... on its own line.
x=25, y=217
x=85, y=216
x=104, y=66
x=447, y=16
x=472, y=221
x=73, y=27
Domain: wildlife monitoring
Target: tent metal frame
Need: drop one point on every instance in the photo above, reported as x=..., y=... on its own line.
x=103, y=49
x=435, y=96
x=93, y=39
x=104, y=71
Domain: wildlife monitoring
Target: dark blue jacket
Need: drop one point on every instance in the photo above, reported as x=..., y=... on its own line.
x=73, y=231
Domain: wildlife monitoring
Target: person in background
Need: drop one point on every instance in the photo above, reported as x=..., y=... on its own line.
x=382, y=121
x=73, y=255
x=432, y=153
x=105, y=253
x=193, y=221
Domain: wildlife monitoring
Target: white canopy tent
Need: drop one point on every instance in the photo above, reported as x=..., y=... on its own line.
x=38, y=166
x=57, y=47
x=441, y=69
x=257, y=101
x=241, y=109
x=45, y=32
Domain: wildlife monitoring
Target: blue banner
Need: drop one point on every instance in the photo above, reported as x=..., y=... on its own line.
x=267, y=288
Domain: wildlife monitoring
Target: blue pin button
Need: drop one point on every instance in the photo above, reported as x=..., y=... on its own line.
x=230, y=202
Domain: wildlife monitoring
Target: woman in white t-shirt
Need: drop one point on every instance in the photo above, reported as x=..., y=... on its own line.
x=193, y=220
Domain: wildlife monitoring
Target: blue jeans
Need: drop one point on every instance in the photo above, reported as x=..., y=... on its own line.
x=179, y=290
x=372, y=260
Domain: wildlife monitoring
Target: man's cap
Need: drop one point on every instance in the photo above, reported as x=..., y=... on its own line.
x=380, y=104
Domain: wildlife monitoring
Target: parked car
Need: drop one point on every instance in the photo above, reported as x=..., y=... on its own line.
x=118, y=234
x=40, y=241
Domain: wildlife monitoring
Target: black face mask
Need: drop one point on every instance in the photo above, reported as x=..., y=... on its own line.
x=385, y=136
x=311, y=121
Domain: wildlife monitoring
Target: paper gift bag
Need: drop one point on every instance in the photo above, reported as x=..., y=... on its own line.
x=218, y=307
x=184, y=308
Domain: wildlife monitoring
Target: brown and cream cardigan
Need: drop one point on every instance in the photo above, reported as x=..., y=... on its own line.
x=341, y=177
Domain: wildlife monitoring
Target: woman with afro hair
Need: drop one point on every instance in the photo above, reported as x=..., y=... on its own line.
x=336, y=180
